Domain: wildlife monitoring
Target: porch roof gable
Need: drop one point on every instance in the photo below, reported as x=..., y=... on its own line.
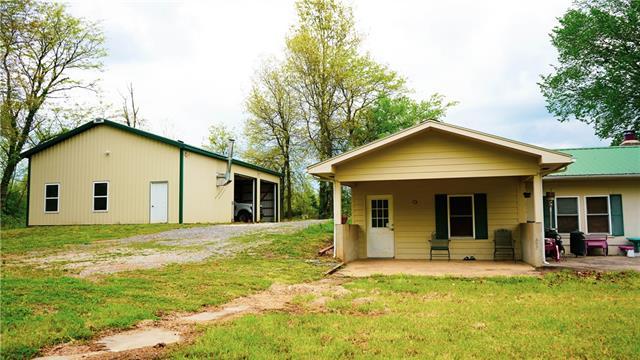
x=558, y=159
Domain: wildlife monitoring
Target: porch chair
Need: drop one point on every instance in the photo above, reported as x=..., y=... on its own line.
x=504, y=243
x=438, y=245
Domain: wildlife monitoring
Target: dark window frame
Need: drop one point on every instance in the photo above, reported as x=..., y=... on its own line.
x=94, y=197
x=57, y=198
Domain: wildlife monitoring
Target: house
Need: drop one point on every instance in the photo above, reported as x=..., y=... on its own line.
x=107, y=173
x=599, y=193
x=457, y=183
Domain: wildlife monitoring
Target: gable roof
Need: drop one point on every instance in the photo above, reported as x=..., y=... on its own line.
x=179, y=144
x=546, y=156
x=602, y=161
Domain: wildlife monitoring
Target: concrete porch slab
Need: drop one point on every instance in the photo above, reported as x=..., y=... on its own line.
x=369, y=267
x=597, y=263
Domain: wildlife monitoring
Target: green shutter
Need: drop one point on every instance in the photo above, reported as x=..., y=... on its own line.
x=481, y=218
x=617, y=219
x=442, y=223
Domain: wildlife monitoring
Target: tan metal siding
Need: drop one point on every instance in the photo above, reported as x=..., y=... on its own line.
x=433, y=156
x=415, y=213
x=132, y=163
x=204, y=202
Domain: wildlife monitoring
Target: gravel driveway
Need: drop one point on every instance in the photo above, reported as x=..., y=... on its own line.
x=160, y=249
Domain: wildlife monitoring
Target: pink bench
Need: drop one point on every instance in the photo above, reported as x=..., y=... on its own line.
x=625, y=248
x=597, y=242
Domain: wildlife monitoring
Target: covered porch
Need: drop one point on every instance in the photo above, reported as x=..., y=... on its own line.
x=396, y=219
x=439, y=181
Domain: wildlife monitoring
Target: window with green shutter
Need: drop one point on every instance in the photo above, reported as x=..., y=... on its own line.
x=442, y=222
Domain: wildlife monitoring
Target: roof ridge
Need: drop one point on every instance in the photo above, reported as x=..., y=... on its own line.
x=602, y=147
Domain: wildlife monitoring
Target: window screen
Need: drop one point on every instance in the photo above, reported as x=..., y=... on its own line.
x=598, y=214
x=461, y=216
x=379, y=213
x=51, y=198
x=567, y=214
x=100, y=196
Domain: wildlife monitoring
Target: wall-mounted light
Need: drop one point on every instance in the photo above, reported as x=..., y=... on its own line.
x=107, y=153
x=414, y=202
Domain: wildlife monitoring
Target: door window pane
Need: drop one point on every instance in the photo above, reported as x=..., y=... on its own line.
x=379, y=213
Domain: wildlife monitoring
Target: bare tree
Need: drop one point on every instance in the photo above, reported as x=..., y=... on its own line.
x=130, y=110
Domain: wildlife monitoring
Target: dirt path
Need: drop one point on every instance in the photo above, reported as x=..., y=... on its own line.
x=149, y=339
x=160, y=249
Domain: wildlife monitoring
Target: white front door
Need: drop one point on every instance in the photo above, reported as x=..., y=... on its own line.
x=380, y=239
x=158, y=202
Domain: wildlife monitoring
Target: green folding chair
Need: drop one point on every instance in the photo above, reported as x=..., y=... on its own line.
x=504, y=243
x=439, y=245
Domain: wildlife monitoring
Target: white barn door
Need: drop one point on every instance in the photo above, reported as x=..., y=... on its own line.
x=158, y=202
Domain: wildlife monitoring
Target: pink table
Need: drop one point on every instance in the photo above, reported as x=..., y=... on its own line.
x=597, y=241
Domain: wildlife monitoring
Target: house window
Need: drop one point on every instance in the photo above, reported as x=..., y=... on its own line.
x=51, y=198
x=598, y=214
x=461, y=216
x=567, y=218
x=379, y=213
x=101, y=196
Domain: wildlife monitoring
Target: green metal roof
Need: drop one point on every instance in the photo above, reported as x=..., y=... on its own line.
x=602, y=161
x=89, y=125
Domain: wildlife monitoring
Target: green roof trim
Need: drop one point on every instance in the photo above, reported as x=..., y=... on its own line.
x=602, y=161
x=89, y=125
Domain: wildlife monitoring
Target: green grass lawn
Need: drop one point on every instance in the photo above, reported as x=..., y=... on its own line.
x=39, y=238
x=559, y=316
x=41, y=308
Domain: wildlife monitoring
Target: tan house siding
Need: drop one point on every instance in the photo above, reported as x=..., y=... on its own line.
x=414, y=213
x=430, y=156
x=629, y=189
x=204, y=202
x=131, y=164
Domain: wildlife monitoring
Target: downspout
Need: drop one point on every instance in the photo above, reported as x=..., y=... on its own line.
x=181, y=187
x=28, y=190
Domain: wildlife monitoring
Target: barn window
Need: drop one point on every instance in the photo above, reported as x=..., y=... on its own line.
x=51, y=198
x=101, y=196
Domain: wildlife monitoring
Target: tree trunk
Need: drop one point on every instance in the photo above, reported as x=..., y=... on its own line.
x=7, y=176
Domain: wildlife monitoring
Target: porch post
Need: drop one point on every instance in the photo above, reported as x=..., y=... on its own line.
x=337, y=211
x=538, y=218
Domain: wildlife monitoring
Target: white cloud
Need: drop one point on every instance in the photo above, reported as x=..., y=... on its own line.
x=192, y=62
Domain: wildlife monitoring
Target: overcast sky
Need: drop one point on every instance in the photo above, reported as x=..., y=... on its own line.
x=191, y=62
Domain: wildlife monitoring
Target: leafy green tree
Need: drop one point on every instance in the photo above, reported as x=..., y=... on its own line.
x=597, y=80
x=218, y=139
x=274, y=126
x=332, y=79
x=390, y=115
x=44, y=52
